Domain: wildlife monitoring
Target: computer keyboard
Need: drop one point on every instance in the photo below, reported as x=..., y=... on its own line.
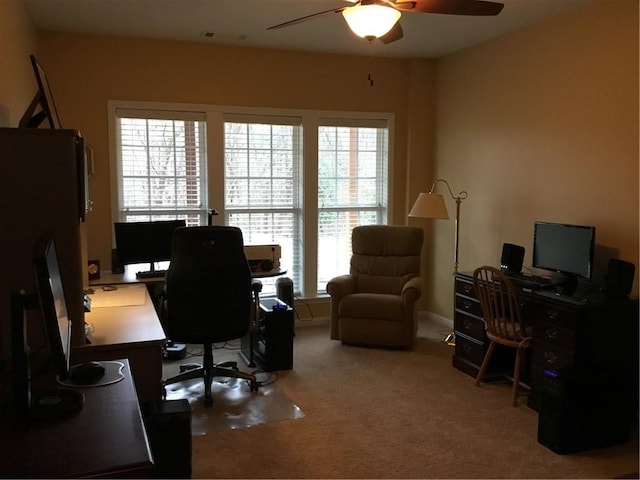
x=563, y=298
x=151, y=274
x=527, y=280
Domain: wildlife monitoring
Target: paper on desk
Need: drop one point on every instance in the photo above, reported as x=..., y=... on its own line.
x=123, y=296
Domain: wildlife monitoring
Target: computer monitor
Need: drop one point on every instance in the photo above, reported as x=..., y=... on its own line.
x=563, y=248
x=145, y=242
x=53, y=305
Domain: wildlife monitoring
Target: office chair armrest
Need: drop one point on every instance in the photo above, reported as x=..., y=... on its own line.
x=256, y=285
x=412, y=290
x=340, y=286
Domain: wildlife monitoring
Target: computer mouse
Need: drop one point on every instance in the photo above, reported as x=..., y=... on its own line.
x=86, y=373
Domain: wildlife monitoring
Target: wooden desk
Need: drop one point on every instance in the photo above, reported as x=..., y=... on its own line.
x=130, y=331
x=129, y=276
x=106, y=438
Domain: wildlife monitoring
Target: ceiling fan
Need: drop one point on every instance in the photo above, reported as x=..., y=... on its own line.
x=373, y=19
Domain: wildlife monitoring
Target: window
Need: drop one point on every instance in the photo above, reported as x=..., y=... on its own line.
x=161, y=166
x=352, y=189
x=297, y=178
x=263, y=157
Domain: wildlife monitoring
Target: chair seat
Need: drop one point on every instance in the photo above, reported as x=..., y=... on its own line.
x=378, y=306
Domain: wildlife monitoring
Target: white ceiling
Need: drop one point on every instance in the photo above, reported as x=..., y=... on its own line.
x=244, y=23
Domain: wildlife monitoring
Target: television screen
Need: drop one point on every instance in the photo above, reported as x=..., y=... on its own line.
x=568, y=249
x=53, y=305
x=145, y=242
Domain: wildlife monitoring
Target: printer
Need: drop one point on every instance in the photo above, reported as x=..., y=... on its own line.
x=263, y=258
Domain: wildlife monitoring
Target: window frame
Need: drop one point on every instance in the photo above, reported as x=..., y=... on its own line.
x=311, y=120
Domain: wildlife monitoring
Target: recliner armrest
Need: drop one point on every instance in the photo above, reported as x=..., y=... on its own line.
x=412, y=290
x=340, y=286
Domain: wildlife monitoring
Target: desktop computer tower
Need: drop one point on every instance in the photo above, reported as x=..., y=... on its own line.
x=272, y=343
x=577, y=413
x=284, y=290
x=168, y=425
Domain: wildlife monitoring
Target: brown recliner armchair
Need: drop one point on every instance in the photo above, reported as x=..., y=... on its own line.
x=376, y=304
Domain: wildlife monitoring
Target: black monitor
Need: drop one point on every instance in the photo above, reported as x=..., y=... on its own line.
x=145, y=242
x=53, y=305
x=563, y=248
x=42, y=106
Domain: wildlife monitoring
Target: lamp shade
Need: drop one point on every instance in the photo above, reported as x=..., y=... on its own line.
x=429, y=205
x=370, y=21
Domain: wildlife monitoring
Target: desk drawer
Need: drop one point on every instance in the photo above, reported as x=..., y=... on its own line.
x=549, y=355
x=469, y=350
x=465, y=288
x=561, y=317
x=468, y=305
x=470, y=326
x=553, y=334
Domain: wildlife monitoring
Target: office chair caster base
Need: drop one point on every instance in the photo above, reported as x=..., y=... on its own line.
x=230, y=364
x=189, y=366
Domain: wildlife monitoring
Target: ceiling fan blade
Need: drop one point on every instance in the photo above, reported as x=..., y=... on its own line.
x=392, y=35
x=305, y=18
x=452, y=7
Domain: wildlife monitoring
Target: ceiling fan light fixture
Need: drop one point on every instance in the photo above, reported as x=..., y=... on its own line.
x=370, y=21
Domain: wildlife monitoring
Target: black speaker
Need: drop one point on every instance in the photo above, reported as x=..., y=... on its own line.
x=618, y=280
x=512, y=257
x=116, y=266
x=168, y=425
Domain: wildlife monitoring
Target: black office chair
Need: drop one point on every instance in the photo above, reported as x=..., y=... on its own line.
x=210, y=298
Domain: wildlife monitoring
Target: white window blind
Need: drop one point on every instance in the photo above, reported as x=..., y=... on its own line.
x=352, y=188
x=161, y=165
x=263, y=156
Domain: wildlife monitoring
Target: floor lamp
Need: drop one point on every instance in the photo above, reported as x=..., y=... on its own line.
x=431, y=205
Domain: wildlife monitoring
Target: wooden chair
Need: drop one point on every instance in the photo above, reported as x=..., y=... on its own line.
x=501, y=313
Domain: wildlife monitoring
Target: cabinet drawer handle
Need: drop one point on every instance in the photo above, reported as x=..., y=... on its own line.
x=467, y=324
x=468, y=289
x=552, y=314
x=467, y=348
x=467, y=304
x=550, y=357
x=551, y=333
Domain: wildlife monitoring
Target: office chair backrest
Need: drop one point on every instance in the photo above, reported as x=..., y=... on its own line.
x=385, y=257
x=499, y=302
x=208, y=285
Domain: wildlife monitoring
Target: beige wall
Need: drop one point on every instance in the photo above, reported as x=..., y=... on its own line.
x=18, y=39
x=87, y=71
x=541, y=124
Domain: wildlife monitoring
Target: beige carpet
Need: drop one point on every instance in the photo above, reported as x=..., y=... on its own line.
x=371, y=413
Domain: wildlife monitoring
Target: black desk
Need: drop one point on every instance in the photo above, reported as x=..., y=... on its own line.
x=582, y=356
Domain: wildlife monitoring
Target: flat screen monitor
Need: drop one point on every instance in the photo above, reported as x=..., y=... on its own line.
x=42, y=106
x=145, y=242
x=567, y=249
x=53, y=305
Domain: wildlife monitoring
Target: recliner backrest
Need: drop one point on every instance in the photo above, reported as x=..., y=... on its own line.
x=385, y=257
x=208, y=285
